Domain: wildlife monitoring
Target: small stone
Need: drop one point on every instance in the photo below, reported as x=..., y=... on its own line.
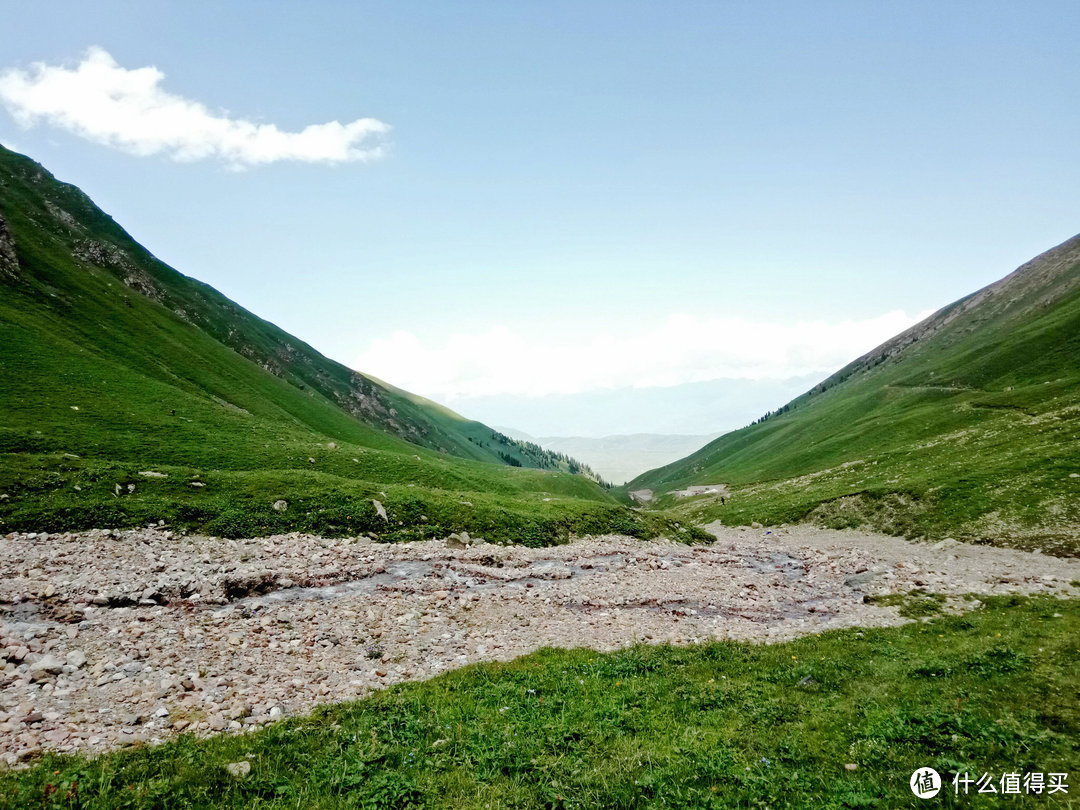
x=56, y=737
x=77, y=658
x=281, y=505
x=238, y=770
x=860, y=579
x=238, y=710
x=380, y=510
x=851, y=766
x=276, y=713
x=48, y=665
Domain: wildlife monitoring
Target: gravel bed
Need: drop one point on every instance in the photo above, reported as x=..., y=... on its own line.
x=112, y=638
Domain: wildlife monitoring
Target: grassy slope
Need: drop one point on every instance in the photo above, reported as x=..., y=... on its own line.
x=168, y=376
x=718, y=725
x=966, y=425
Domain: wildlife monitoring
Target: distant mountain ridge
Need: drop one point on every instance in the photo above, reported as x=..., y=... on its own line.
x=619, y=458
x=696, y=408
x=966, y=424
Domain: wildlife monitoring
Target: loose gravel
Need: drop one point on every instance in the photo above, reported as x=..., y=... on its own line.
x=112, y=638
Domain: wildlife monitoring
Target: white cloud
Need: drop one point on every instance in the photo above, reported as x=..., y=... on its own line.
x=682, y=349
x=127, y=109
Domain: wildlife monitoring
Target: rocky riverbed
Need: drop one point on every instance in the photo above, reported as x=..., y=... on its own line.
x=111, y=638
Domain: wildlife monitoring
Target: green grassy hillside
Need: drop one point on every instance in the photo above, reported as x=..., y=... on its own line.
x=966, y=425
x=131, y=393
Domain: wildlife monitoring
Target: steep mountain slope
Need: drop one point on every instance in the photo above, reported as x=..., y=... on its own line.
x=131, y=392
x=62, y=234
x=967, y=424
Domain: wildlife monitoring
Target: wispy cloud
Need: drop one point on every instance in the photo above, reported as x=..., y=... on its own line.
x=128, y=109
x=682, y=349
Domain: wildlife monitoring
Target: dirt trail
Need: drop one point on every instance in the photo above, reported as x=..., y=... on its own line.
x=116, y=637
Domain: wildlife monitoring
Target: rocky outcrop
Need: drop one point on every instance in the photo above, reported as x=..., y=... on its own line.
x=9, y=262
x=110, y=257
x=367, y=402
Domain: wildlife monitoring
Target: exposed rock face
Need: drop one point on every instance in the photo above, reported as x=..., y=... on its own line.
x=365, y=401
x=110, y=257
x=60, y=214
x=9, y=263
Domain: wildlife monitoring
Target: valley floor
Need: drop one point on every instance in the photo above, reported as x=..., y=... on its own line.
x=112, y=638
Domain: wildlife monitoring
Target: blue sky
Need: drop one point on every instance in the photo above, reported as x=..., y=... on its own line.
x=716, y=190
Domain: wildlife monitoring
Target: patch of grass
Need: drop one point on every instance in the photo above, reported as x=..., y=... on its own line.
x=915, y=604
x=715, y=725
x=54, y=494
